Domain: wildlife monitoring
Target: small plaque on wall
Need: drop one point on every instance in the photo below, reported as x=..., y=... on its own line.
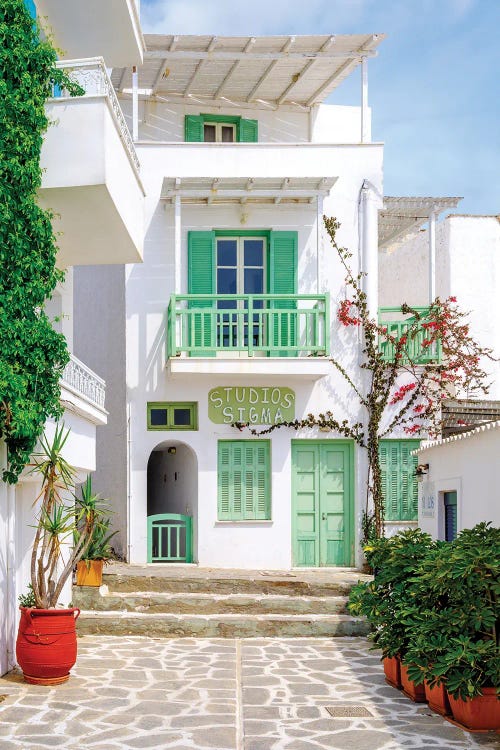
x=269, y=405
x=428, y=500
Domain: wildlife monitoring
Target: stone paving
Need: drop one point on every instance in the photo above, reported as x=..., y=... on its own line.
x=223, y=694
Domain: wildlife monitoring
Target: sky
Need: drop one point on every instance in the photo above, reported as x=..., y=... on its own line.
x=434, y=87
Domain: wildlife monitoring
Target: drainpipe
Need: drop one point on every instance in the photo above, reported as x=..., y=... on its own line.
x=319, y=221
x=177, y=244
x=129, y=482
x=370, y=203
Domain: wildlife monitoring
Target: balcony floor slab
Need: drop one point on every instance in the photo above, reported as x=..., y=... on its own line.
x=301, y=368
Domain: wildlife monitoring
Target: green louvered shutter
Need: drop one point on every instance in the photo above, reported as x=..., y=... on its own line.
x=283, y=280
x=248, y=131
x=201, y=281
x=399, y=484
x=409, y=490
x=243, y=480
x=193, y=128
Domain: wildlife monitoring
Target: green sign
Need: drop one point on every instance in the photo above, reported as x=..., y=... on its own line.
x=271, y=405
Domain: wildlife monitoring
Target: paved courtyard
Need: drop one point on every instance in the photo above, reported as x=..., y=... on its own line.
x=255, y=694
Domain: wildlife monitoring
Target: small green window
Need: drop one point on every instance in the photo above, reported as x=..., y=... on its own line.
x=172, y=415
x=399, y=483
x=244, y=480
x=220, y=129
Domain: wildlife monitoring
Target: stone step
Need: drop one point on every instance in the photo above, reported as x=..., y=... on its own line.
x=89, y=598
x=213, y=584
x=169, y=625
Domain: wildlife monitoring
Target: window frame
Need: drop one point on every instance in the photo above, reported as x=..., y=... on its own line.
x=170, y=407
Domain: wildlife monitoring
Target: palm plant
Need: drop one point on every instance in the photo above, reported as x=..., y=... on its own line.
x=51, y=561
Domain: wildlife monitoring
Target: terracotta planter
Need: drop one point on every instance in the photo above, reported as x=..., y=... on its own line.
x=46, y=644
x=481, y=713
x=89, y=573
x=392, y=671
x=415, y=692
x=437, y=698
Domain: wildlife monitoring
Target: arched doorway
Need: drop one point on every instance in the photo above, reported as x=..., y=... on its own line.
x=172, y=503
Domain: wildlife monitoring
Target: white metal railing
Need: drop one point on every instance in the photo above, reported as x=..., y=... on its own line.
x=84, y=382
x=91, y=74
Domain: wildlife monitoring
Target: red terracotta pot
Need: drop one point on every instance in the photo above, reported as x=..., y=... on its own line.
x=437, y=698
x=415, y=692
x=392, y=671
x=46, y=644
x=479, y=713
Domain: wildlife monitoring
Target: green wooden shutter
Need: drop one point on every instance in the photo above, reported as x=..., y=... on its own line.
x=243, y=480
x=399, y=483
x=201, y=281
x=248, y=131
x=193, y=128
x=283, y=280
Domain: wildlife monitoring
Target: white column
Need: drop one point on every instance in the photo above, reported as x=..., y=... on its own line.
x=177, y=243
x=135, y=105
x=365, y=135
x=369, y=205
x=432, y=257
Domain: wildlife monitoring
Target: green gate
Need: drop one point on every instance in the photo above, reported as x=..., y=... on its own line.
x=170, y=538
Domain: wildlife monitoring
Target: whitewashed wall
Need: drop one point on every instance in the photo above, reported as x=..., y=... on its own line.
x=469, y=466
x=163, y=121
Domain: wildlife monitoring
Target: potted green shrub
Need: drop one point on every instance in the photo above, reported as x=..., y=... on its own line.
x=46, y=641
x=99, y=550
x=387, y=603
x=457, y=646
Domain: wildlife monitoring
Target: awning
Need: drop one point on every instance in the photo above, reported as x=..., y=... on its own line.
x=403, y=217
x=210, y=190
x=248, y=71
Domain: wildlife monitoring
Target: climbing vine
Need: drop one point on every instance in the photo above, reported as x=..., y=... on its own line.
x=32, y=353
x=408, y=376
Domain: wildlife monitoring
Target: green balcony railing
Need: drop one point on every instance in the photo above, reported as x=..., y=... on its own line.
x=279, y=325
x=398, y=325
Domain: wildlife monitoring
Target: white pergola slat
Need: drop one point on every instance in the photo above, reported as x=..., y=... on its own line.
x=403, y=216
x=211, y=190
x=291, y=70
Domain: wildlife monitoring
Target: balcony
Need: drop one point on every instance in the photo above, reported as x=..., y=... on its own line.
x=259, y=334
x=415, y=349
x=94, y=27
x=91, y=179
x=83, y=391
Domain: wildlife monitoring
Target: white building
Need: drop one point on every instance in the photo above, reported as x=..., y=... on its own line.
x=240, y=157
x=91, y=182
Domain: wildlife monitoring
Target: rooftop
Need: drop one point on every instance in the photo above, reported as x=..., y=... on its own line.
x=299, y=71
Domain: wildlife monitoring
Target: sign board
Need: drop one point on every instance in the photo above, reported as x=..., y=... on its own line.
x=428, y=500
x=270, y=405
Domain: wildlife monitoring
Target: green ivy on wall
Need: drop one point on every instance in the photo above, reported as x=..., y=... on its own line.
x=32, y=353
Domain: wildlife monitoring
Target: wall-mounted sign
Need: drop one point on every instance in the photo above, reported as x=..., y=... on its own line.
x=428, y=500
x=270, y=405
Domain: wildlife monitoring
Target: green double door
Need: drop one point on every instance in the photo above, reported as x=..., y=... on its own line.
x=322, y=502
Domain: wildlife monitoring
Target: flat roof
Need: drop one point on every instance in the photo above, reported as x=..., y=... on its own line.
x=402, y=217
x=299, y=71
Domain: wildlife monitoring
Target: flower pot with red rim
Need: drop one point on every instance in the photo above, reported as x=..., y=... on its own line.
x=437, y=698
x=392, y=671
x=46, y=644
x=481, y=713
x=415, y=692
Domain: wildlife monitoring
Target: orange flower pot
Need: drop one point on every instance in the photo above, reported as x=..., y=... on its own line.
x=415, y=692
x=392, y=671
x=481, y=713
x=89, y=573
x=437, y=698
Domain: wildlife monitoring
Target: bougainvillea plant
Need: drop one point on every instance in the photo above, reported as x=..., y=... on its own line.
x=32, y=353
x=434, y=357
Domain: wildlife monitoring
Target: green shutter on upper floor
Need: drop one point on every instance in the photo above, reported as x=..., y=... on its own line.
x=193, y=128
x=244, y=480
x=283, y=280
x=201, y=260
x=399, y=483
x=248, y=131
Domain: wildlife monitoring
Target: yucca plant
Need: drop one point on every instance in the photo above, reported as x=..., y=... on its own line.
x=52, y=560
